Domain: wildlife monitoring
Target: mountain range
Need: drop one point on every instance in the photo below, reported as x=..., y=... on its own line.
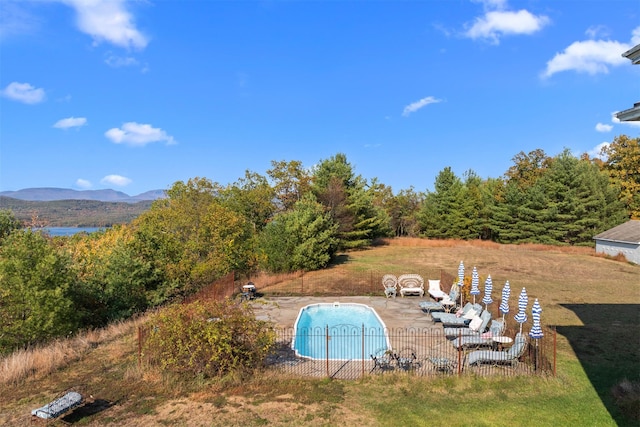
x=47, y=194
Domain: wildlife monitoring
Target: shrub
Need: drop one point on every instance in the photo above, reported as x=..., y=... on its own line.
x=208, y=338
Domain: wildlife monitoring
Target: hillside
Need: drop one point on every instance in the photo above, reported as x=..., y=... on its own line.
x=47, y=194
x=568, y=281
x=75, y=213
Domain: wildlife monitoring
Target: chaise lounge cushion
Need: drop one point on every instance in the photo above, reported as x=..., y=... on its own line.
x=59, y=406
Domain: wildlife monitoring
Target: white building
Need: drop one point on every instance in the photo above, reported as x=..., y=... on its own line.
x=632, y=114
x=623, y=239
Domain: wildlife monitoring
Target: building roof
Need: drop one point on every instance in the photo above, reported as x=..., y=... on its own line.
x=632, y=114
x=628, y=232
x=633, y=54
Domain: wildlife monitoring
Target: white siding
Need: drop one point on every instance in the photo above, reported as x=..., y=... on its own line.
x=629, y=250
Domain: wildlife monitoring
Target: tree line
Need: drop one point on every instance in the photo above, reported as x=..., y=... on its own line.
x=294, y=218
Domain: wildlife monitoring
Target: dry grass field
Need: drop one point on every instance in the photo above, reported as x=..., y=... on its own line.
x=593, y=301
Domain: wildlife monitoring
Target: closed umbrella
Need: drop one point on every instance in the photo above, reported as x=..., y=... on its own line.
x=504, y=304
x=461, y=279
x=523, y=300
x=475, y=281
x=488, y=287
x=536, y=331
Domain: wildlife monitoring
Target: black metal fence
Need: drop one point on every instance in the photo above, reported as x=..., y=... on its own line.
x=352, y=352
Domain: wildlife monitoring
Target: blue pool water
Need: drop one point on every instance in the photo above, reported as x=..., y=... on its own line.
x=344, y=331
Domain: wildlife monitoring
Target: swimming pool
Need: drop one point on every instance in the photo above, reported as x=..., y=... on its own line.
x=339, y=331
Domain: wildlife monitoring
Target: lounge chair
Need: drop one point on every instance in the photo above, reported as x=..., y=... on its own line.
x=494, y=357
x=434, y=307
x=67, y=401
x=480, y=340
x=436, y=291
x=390, y=285
x=478, y=325
x=411, y=284
x=458, y=319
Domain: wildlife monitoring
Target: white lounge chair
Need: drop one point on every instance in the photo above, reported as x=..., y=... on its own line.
x=455, y=319
x=411, y=284
x=493, y=357
x=436, y=291
x=480, y=340
x=477, y=326
x=447, y=303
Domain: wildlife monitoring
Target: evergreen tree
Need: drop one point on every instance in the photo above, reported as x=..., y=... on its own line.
x=303, y=238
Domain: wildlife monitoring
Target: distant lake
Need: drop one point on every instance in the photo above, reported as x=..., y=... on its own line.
x=70, y=231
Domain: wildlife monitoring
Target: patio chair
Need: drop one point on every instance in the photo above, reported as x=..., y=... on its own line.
x=384, y=360
x=411, y=284
x=390, y=285
x=478, y=325
x=436, y=291
x=480, y=340
x=406, y=359
x=494, y=357
x=65, y=402
x=434, y=307
x=461, y=318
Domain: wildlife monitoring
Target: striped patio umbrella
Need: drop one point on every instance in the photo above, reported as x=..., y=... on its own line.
x=461, y=279
x=488, y=287
x=523, y=300
x=536, y=330
x=475, y=281
x=504, y=304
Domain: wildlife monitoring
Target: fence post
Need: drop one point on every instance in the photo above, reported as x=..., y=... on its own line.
x=555, y=349
x=362, y=357
x=327, y=352
x=459, y=354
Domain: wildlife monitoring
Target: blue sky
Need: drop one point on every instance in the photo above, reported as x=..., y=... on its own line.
x=135, y=95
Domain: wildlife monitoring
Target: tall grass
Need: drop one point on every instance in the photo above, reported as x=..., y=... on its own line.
x=44, y=359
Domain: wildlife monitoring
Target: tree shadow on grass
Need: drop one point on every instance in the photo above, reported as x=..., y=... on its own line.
x=338, y=260
x=608, y=347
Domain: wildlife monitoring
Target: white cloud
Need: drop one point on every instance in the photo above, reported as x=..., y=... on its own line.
x=635, y=36
x=601, y=127
x=137, y=134
x=116, y=61
x=415, y=106
x=24, y=92
x=83, y=183
x=120, y=181
x=492, y=4
x=70, y=122
x=589, y=56
x=497, y=23
x=108, y=20
x=15, y=20
x=597, y=31
x=595, y=151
